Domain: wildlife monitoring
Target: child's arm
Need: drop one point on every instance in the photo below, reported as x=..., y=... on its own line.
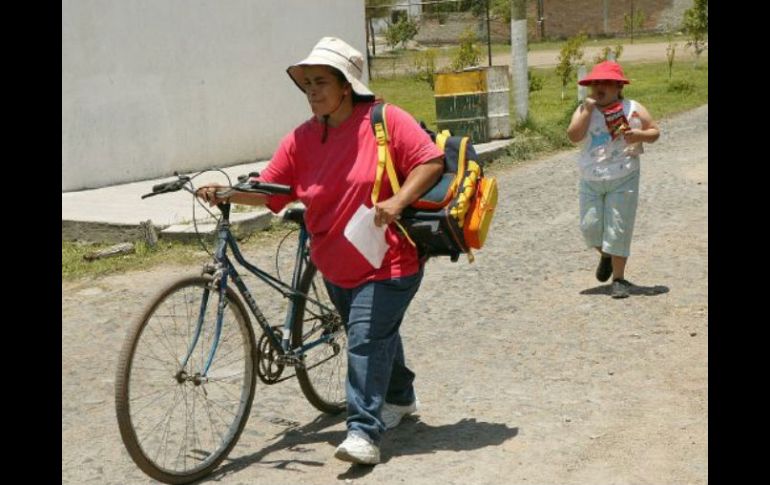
x=581, y=119
x=649, y=132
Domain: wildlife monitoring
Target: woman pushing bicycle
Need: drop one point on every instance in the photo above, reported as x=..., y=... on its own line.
x=330, y=161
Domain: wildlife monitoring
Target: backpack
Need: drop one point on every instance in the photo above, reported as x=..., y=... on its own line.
x=454, y=215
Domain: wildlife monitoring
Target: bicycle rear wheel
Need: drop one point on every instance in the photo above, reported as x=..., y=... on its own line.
x=322, y=377
x=176, y=424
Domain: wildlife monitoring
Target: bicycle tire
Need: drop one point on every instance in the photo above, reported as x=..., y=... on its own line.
x=327, y=361
x=215, y=395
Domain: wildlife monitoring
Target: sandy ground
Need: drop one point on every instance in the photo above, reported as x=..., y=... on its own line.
x=528, y=372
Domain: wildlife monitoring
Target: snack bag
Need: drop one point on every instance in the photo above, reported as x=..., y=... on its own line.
x=616, y=121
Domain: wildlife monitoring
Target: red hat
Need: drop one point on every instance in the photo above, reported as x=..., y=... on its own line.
x=605, y=71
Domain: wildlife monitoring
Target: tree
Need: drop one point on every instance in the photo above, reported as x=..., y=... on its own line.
x=670, y=53
x=633, y=22
x=569, y=56
x=498, y=9
x=424, y=64
x=501, y=9
x=609, y=53
x=401, y=32
x=696, y=26
x=468, y=53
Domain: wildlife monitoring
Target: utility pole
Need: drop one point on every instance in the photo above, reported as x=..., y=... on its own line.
x=519, y=59
x=489, y=34
x=606, y=14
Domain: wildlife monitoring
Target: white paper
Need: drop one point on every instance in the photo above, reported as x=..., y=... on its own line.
x=366, y=237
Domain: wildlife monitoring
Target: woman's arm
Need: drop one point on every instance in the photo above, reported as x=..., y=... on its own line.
x=419, y=180
x=208, y=194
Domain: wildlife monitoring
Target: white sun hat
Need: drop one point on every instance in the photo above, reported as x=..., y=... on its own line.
x=334, y=52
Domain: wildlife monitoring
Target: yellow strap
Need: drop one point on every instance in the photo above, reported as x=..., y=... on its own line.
x=382, y=149
x=392, y=173
x=385, y=163
x=441, y=139
x=461, y=158
x=405, y=233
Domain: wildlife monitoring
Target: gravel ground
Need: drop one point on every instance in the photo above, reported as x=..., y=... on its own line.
x=527, y=371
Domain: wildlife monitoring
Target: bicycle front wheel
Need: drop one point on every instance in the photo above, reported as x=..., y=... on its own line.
x=323, y=374
x=177, y=424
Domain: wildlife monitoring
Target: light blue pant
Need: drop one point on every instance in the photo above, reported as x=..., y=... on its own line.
x=377, y=371
x=608, y=212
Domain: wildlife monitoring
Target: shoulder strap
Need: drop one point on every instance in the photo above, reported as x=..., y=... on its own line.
x=384, y=160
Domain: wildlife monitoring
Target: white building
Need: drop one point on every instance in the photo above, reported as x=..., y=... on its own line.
x=154, y=86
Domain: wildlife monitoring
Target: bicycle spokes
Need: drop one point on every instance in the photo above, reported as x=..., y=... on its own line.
x=176, y=417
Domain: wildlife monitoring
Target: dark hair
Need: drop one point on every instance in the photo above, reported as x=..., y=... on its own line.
x=357, y=98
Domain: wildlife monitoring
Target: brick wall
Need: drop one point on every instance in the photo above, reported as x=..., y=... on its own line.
x=563, y=18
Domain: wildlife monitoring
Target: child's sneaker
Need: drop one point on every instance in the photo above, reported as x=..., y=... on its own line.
x=604, y=270
x=620, y=288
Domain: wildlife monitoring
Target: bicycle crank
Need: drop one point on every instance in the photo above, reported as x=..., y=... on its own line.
x=270, y=365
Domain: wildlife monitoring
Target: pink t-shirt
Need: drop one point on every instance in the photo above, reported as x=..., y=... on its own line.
x=333, y=179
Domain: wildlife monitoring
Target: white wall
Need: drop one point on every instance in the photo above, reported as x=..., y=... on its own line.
x=153, y=86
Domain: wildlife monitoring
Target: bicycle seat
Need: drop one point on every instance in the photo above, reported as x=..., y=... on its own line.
x=296, y=214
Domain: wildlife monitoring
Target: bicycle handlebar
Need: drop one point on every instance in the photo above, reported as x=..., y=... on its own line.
x=265, y=187
x=252, y=186
x=166, y=187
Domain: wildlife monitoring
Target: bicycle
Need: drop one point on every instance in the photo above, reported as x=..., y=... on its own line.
x=187, y=371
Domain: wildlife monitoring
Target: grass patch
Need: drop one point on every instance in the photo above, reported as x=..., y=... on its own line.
x=165, y=252
x=409, y=93
x=73, y=265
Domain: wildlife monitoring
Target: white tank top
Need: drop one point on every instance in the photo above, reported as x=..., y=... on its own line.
x=603, y=158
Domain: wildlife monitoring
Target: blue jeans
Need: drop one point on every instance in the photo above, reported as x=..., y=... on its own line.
x=377, y=371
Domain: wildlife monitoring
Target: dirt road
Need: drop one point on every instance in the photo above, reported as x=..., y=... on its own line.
x=528, y=372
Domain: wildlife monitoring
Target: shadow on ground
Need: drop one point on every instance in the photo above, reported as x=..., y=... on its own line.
x=634, y=290
x=416, y=438
x=412, y=437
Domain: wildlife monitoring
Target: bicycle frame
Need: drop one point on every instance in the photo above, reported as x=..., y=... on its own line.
x=225, y=269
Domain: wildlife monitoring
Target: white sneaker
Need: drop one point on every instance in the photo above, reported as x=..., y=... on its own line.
x=358, y=450
x=392, y=413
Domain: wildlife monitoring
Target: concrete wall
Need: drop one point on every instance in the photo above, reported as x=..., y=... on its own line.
x=149, y=87
x=453, y=25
